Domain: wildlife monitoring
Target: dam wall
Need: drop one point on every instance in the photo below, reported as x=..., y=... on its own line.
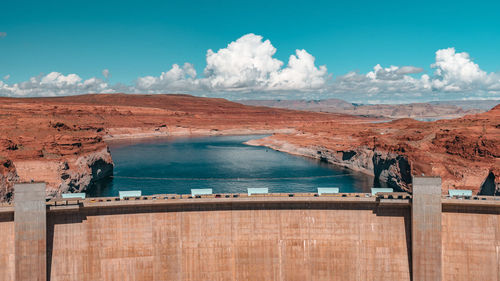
x=470, y=243
x=231, y=241
x=274, y=237
x=7, y=244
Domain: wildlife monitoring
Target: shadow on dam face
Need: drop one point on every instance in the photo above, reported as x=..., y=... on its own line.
x=6, y=217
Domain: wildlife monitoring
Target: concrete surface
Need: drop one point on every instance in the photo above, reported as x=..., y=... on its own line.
x=272, y=237
x=426, y=229
x=30, y=232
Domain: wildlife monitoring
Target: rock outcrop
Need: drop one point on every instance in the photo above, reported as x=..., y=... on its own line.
x=8, y=177
x=61, y=141
x=387, y=168
x=80, y=172
x=464, y=152
x=73, y=173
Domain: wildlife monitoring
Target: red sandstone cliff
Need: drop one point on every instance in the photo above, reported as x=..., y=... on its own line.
x=61, y=140
x=465, y=152
x=68, y=159
x=8, y=176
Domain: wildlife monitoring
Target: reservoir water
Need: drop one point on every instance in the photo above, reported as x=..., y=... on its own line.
x=223, y=163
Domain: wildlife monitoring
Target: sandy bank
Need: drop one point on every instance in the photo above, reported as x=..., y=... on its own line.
x=145, y=133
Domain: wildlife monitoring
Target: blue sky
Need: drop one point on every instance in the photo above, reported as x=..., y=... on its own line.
x=138, y=39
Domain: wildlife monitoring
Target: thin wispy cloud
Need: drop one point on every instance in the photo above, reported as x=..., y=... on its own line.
x=105, y=73
x=248, y=68
x=3, y=34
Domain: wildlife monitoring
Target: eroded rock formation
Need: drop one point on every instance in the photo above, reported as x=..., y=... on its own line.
x=61, y=141
x=8, y=176
x=465, y=152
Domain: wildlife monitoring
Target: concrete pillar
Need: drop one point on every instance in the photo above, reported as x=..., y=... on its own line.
x=30, y=231
x=426, y=229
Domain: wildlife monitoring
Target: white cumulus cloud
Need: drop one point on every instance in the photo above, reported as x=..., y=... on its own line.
x=244, y=64
x=54, y=84
x=300, y=74
x=59, y=80
x=455, y=76
x=457, y=72
x=380, y=84
x=181, y=79
x=247, y=67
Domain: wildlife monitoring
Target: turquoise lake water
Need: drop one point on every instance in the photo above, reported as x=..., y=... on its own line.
x=223, y=163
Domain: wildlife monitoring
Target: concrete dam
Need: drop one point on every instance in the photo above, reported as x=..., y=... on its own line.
x=389, y=236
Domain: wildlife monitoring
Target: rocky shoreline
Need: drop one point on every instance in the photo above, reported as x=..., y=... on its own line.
x=392, y=169
x=77, y=173
x=464, y=152
x=62, y=141
x=71, y=174
x=389, y=168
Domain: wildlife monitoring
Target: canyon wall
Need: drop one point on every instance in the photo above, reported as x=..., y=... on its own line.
x=61, y=141
x=8, y=176
x=388, y=169
x=464, y=152
x=70, y=174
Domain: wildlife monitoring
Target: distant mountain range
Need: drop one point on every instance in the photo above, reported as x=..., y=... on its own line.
x=422, y=111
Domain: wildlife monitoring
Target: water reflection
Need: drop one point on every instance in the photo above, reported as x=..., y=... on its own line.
x=222, y=163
